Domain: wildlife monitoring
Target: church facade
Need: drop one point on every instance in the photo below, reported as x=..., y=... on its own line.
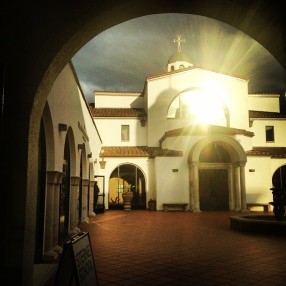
x=193, y=136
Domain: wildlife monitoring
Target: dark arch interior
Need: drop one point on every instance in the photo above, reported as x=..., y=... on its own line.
x=214, y=152
x=31, y=61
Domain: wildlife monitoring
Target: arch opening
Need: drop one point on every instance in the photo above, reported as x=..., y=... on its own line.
x=127, y=177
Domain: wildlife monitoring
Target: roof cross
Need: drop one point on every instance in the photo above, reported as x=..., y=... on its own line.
x=179, y=40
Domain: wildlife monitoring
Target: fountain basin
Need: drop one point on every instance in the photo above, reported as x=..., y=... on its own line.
x=266, y=224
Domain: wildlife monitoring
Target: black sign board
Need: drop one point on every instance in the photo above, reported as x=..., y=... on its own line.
x=77, y=263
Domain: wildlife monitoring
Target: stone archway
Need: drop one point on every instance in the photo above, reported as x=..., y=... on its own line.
x=227, y=170
x=35, y=77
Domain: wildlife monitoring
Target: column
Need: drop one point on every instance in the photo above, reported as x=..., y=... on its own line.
x=231, y=188
x=242, y=187
x=196, y=194
x=57, y=188
x=49, y=254
x=191, y=187
x=91, y=199
x=74, y=191
x=84, y=214
x=237, y=188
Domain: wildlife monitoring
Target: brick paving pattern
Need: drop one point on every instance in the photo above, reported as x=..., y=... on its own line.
x=182, y=248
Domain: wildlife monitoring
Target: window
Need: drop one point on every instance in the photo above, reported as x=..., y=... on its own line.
x=124, y=133
x=269, y=133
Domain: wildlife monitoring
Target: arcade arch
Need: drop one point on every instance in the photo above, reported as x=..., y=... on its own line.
x=127, y=177
x=31, y=98
x=225, y=170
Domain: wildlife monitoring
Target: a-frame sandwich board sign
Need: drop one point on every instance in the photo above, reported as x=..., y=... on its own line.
x=77, y=263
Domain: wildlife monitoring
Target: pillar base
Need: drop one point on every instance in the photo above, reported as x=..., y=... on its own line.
x=50, y=256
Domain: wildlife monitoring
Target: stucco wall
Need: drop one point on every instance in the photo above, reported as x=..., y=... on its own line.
x=259, y=182
x=264, y=102
x=110, y=132
x=67, y=106
x=162, y=90
x=172, y=184
x=259, y=139
x=118, y=100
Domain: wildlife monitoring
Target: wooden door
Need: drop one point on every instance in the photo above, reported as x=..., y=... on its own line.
x=213, y=190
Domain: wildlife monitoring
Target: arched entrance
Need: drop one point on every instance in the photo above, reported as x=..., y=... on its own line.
x=279, y=178
x=127, y=177
x=216, y=175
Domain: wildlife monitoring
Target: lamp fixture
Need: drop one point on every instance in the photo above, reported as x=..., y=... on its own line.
x=63, y=127
x=142, y=118
x=80, y=146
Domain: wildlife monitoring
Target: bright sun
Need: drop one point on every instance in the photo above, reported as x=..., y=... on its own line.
x=205, y=107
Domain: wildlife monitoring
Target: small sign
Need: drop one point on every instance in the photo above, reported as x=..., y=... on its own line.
x=77, y=263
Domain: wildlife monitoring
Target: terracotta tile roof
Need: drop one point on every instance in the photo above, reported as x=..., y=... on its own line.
x=138, y=151
x=117, y=112
x=273, y=152
x=200, y=129
x=263, y=114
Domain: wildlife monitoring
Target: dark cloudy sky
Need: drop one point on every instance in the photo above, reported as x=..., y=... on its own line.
x=123, y=56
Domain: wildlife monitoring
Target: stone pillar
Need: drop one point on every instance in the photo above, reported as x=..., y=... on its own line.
x=237, y=188
x=74, y=191
x=57, y=188
x=242, y=188
x=91, y=199
x=52, y=179
x=191, y=187
x=196, y=187
x=231, y=188
x=84, y=200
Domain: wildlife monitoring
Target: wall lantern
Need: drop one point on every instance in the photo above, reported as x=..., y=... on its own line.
x=89, y=155
x=251, y=170
x=63, y=127
x=102, y=163
x=142, y=118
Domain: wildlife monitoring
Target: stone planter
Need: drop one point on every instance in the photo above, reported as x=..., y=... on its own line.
x=127, y=199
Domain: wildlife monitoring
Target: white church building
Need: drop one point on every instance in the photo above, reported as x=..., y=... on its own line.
x=193, y=136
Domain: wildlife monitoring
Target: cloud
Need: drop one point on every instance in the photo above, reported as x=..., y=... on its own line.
x=123, y=56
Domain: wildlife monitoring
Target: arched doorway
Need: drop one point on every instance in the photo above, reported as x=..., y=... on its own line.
x=279, y=178
x=213, y=178
x=127, y=177
x=217, y=174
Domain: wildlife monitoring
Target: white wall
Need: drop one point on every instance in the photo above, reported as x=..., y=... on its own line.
x=118, y=100
x=171, y=187
x=258, y=183
x=162, y=90
x=264, y=102
x=259, y=139
x=110, y=131
x=67, y=106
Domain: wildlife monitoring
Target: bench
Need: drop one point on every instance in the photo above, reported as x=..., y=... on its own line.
x=266, y=207
x=181, y=206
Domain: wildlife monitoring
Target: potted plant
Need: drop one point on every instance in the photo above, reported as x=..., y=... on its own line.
x=152, y=205
x=127, y=197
